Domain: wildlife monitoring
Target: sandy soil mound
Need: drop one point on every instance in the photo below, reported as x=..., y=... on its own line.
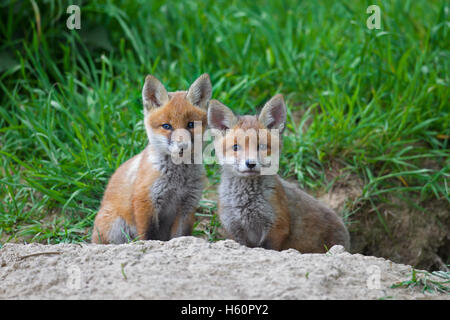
x=191, y=268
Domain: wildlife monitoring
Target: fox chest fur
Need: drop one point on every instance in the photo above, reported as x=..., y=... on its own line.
x=245, y=208
x=177, y=190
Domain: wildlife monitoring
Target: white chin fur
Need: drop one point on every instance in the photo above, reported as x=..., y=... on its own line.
x=248, y=173
x=243, y=171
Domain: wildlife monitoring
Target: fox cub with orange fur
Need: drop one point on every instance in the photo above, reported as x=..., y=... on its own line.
x=150, y=196
x=260, y=210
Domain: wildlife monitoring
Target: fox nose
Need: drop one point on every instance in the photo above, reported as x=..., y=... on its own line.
x=250, y=164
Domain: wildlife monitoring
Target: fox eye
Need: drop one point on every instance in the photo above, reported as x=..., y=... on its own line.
x=190, y=125
x=235, y=147
x=262, y=147
x=166, y=126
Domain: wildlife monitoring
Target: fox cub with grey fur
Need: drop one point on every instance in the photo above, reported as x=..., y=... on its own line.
x=264, y=210
x=150, y=196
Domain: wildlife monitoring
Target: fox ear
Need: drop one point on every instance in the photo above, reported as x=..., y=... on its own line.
x=154, y=94
x=273, y=115
x=200, y=91
x=220, y=116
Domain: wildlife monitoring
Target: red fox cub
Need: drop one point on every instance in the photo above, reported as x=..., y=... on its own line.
x=150, y=196
x=263, y=210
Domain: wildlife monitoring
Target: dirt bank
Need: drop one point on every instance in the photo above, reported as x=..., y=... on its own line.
x=191, y=268
x=382, y=231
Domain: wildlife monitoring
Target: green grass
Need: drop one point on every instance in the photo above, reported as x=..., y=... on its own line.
x=423, y=280
x=210, y=231
x=374, y=101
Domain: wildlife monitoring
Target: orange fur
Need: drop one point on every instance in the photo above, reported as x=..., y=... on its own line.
x=280, y=230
